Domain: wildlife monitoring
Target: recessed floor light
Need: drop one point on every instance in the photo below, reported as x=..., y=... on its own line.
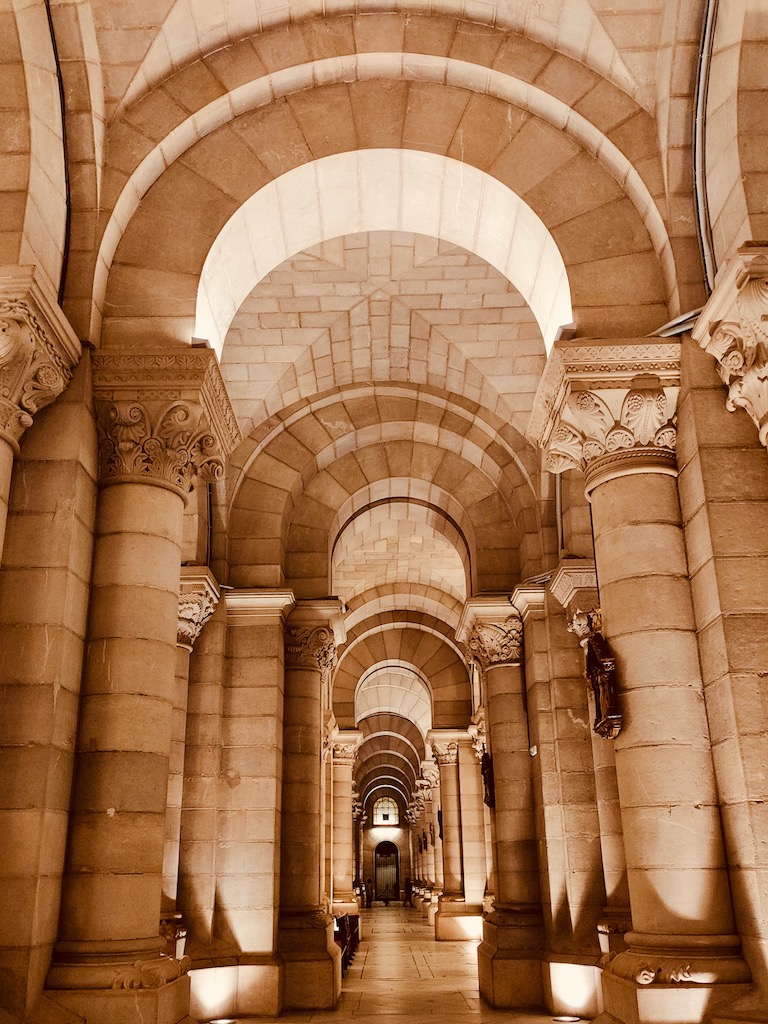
x=566, y=1017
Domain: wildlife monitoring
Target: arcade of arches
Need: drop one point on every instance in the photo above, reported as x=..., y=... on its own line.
x=383, y=494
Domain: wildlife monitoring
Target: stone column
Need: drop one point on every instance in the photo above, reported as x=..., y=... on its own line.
x=683, y=956
x=509, y=957
x=151, y=446
x=305, y=931
x=574, y=586
x=431, y=774
x=198, y=597
x=345, y=746
x=478, y=732
x=455, y=918
x=38, y=350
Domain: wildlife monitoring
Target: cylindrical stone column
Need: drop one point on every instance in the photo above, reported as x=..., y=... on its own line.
x=345, y=747
x=509, y=957
x=305, y=931
x=110, y=911
x=679, y=893
x=682, y=952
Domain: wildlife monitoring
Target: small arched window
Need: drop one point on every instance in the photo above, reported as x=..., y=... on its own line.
x=385, y=812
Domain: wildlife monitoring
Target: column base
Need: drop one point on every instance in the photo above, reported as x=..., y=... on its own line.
x=311, y=961
x=168, y=1004
x=572, y=985
x=456, y=920
x=237, y=986
x=509, y=965
x=684, y=979
x=434, y=905
x=611, y=929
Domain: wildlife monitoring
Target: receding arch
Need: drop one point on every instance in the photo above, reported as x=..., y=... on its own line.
x=382, y=190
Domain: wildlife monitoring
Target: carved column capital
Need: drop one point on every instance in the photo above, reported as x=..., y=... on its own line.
x=198, y=597
x=733, y=327
x=607, y=408
x=574, y=586
x=310, y=648
x=431, y=774
x=38, y=351
x=478, y=733
x=491, y=630
x=346, y=744
x=446, y=753
x=164, y=417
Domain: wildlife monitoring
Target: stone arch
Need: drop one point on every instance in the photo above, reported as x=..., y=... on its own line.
x=395, y=687
x=433, y=656
x=596, y=218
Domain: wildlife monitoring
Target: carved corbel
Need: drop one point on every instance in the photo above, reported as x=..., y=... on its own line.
x=198, y=598
x=38, y=351
x=733, y=327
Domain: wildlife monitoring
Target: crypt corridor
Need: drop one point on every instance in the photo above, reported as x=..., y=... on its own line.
x=383, y=495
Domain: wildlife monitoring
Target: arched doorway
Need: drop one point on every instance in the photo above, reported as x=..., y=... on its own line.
x=386, y=868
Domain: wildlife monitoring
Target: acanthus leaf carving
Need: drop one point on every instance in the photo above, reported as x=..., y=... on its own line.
x=496, y=643
x=446, y=753
x=198, y=598
x=733, y=327
x=169, y=445
x=33, y=370
x=311, y=648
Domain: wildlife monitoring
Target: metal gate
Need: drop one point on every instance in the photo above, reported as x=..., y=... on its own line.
x=386, y=872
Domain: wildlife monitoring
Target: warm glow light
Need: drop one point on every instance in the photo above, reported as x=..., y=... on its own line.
x=573, y=991
x=213, y=992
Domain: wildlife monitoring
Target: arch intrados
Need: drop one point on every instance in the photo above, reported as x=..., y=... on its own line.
x=384, y=190
x=389, y=759
x=400, y=599
x=393, y=665
x=421, y=627
x=385, y=788
x=394, y=726
x=416, y=510
x=364, y=781
x=475, y=78
x=177, y=45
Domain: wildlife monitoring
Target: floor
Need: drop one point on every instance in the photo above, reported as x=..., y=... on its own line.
x=400, y=972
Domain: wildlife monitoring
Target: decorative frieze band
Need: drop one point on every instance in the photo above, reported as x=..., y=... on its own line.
x=38, y=351
x=733, y=327
x=163, y=417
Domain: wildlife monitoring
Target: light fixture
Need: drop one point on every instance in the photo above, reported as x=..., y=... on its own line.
x=222, y=1020
x=566, y=1017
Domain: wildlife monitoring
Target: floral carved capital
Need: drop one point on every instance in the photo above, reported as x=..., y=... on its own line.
x=37, y=356
x=446, y=753
x=163, y=417
x=496, y=643
x=344, y=753
x=733, y=327
x=310, y=648
x=591, y=424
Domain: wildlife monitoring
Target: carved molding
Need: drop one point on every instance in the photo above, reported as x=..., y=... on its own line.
x=198, y=598
x=571, y=577
x=497, y=643
x=733, y=327
x=38, y=351
x=431, y=774
x=656, y=968
x=163, y=417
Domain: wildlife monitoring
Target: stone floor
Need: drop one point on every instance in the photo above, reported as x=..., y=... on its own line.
x=400, y=972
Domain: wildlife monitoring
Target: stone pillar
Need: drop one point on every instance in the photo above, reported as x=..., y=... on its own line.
x=151, y=445
x=305, y=932
x=456, y=917
x=38, y=350
x=574, y=586
x=683, y=958
x=565, y=803
x=198, y=597
x=345, y=746
x=431, y=774
x=477, y=730
x=722, y=437
x=509, y=957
